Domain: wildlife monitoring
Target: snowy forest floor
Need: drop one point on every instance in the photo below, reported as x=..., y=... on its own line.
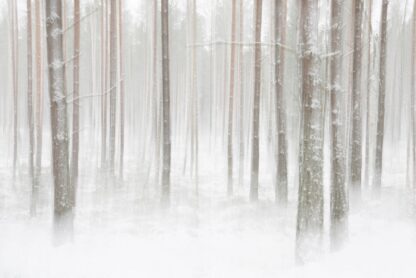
x=121, y=231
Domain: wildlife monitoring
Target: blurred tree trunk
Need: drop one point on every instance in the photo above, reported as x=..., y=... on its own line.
x=166, y=103
x=231, y=100
x=254, y=186
x=369, y=83
x=30, y=107
x=39, y=91
x=356, y=148
x=241, y=100
x=104, y=87
x=281, y=190
x=381, y=101
x=310, y=200
x=113, y=82
x=122, y=86
x=338, y=196
x=63, y=217
x=75, y=104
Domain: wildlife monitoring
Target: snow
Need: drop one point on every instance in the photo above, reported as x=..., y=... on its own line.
x=120, y=233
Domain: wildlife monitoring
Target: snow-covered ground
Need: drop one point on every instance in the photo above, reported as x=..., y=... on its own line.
x=119, y=232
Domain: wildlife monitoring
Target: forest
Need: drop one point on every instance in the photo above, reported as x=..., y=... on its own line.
x=219, y=138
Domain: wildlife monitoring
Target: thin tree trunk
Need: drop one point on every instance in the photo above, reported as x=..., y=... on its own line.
x=310, y=201
x=254, y=186
x=62, y=205
x=30, y=106
x=75, y=109
x=241, y=102
x=231, y=100
x=281, y=190
x=369, y=83
x=356, y=149
x=166, y=103
x=122, y=82
x=104, y=59
x=381, y=101
x=338, y=198
x=39, y=92
x=113, y=82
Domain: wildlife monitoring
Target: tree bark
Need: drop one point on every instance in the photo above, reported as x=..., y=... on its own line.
x=254, y=186
x=356, y=149
x=338, y=195
x=75, y=109
x=62, y=205
x=39, y=91
x=113, y=82
x=310, y=200
x=166, y=103
x=231, y=101
x=122, y=86
x=381, y=101
x=281, y=190
x=30, y=107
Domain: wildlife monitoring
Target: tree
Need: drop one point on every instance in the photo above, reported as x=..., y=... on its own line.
x=281, y=190
x=113, y=82
x=310, y=199
x=254, y=186
x=338, y=195
x=356, y=149
x=381, y=100
x=75, y=105
x=122, y=82
x=166, y=103
x=39, y=91
x=231, y=100
x=15, y=81
x=30, y=106
x=63, y=217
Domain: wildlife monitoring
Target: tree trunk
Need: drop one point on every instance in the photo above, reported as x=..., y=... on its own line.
x=104, y=59
x=281, y=190
x=166, y=103
x=381, y=101
x=30, y=107
x=75, y=105
x=62, y=205
x=113, y=82
x=369, y=83
x=231, y=101
x=39, y=91
x=338, y=198
x=254, y=186
x=122, y=82
x=356, y=149
x=310, y=201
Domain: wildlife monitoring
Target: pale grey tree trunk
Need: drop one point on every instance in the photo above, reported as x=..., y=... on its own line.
x=30, y=107
x=356, y=145
x=166, y=103
x=122, y=85
x=75, y=104
x=39, y=91
x=338, y=195
x=254, y=185
x=104, y=93
x=310, y=200
x=113, y=83
x=241, y=100
x=63, y=215
x=231, y=99
x=381, y=101
x=281, y=190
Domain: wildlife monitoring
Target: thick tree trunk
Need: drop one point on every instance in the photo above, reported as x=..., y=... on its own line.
x=310, y=201
x=281, y=190
x=254, y=186
x=338, y=198
x=30, y=107
x=166, y=103
x=231, y=100
x=62, y=205
x=75, y=105
x=356, y=149
x=381, y=101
